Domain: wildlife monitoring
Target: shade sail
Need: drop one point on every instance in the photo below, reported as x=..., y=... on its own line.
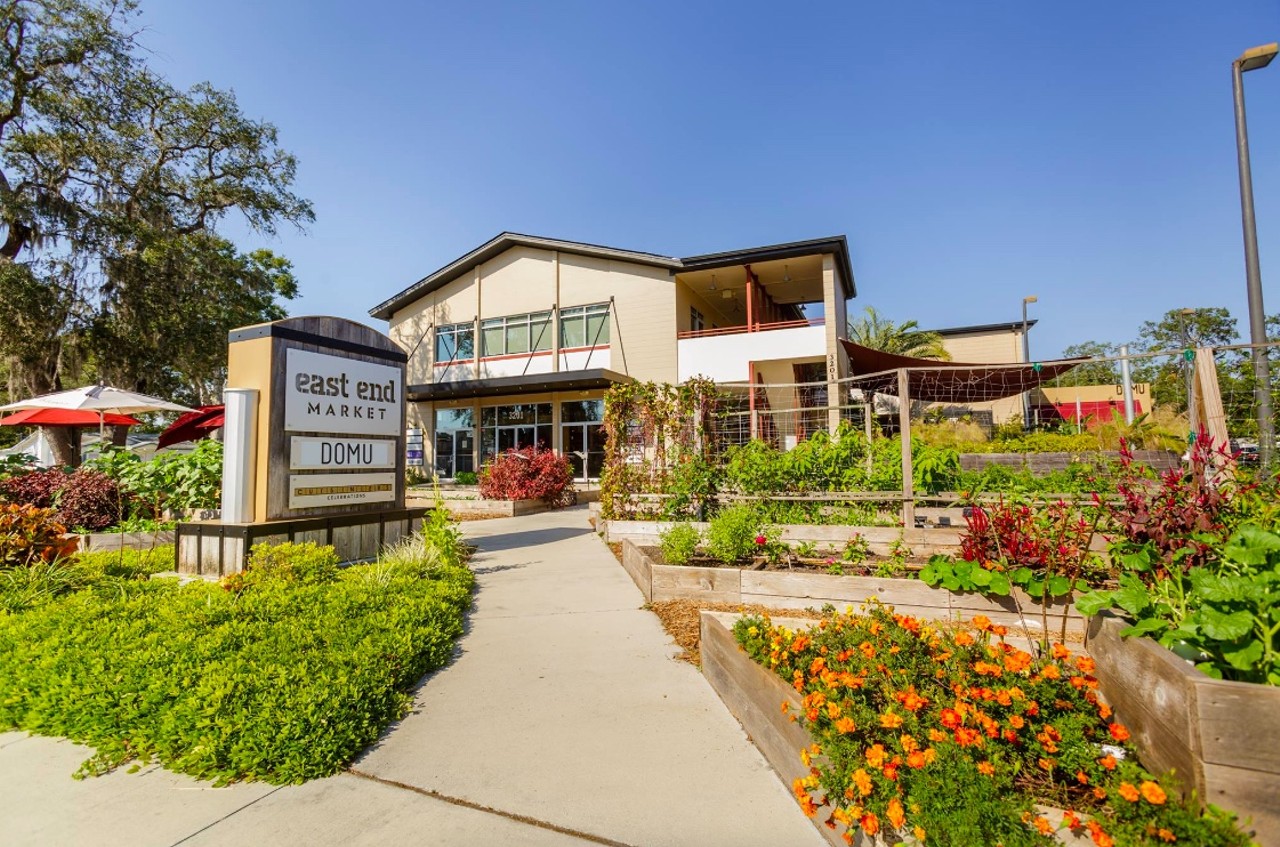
x=931, y=381
x=192, y=426
x=64, y=417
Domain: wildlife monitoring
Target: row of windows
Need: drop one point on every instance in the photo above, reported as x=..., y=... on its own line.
x=580, y=326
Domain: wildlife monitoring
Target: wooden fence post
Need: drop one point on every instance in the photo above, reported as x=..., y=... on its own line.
x=904, y=431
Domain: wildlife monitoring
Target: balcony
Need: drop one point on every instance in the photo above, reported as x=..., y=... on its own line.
x=723, y=354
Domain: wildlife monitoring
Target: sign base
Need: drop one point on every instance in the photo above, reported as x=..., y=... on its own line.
x=217, y=548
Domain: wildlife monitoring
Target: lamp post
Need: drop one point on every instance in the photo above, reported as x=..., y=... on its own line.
x=1026, y=357
x=1252, y=60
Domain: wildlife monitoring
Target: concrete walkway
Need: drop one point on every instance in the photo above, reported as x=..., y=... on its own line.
x=564, y=720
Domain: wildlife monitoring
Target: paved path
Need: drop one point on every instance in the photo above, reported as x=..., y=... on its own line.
x=564, y=720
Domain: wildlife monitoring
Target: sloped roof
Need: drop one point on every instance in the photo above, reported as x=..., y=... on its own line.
x=505, y=241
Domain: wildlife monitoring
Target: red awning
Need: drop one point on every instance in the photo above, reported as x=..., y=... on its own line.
x=192, y=426
x=64, y=417
x=931, y=381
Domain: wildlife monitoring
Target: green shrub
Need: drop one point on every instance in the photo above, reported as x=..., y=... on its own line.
x=731, y=537
x=466, y=478
x=28, y=586
x=283, y=680
x=172, y=481
x=124, y=563
x=679, y=542
x=306, y=563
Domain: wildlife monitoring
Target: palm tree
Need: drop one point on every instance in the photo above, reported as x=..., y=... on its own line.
x=904, y=339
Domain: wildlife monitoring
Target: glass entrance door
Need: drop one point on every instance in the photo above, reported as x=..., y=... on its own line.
x=583, y=445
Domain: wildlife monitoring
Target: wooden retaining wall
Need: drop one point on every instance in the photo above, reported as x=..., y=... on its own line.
x=923, y=542
x=97, y=541
x=1222, y=738
x=796, y=590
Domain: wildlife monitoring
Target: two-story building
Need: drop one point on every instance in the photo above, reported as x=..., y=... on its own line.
x=515, y=343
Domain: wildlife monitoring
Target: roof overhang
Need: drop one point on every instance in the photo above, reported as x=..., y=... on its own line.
x=516, y=385
x=837, y=245
x=1008, y=326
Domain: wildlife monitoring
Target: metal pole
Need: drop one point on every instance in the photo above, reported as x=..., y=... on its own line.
x=1126, y=381
x=1253, y=275
x=1026, y=357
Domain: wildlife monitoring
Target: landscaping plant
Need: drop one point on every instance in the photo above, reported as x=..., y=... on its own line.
x=678, y=543
x=732, y=533
x=29, y=534
x=955, y=737
x=282, y=676
x=528, y=474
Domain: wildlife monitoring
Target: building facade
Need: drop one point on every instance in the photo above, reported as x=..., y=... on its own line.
x=515, y=343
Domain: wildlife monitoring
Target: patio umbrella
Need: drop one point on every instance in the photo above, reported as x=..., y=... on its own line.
x=192, y=426
x=64, y=417
x=99, y=399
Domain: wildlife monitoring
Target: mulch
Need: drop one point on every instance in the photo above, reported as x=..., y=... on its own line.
x=682, y=621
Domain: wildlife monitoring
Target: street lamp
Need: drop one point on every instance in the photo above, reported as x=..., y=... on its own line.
x=1252, y=60
x=1026, y=357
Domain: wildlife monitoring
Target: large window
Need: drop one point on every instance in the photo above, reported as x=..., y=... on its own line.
x=584, y=326
x=697, y=322
x=514, y=427
x=455, y=342
x=455, y=442
x=515, y=334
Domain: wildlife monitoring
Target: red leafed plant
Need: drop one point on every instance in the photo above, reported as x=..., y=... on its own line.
x=528, y=474
x=35, y=488
x=91, y=500
x=1183, y=512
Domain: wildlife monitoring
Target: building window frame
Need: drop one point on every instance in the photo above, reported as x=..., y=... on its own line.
x=697, y=321
x=455, y=342
x=513, y=335
x=586, y=326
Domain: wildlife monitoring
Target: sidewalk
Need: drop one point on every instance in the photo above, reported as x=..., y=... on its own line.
x=564, y=720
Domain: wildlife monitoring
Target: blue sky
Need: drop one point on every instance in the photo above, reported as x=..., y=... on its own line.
x=973, y=153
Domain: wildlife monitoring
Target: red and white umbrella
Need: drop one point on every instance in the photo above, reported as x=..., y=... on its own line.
x=101, y=399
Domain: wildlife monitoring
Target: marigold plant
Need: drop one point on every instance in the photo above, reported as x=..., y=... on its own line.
x=959, y=737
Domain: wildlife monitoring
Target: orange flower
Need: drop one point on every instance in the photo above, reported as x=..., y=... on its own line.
x=1086, y=664
x=1104, y=711
x=891, y=770
x=918, y=832
x=966, y=737
x=1099, y=793
x=863, y=781
x=1082, y=777
x=895, y=814
x=846, y=725
x=986, y=768
x=982, y=623
x=964, y=639
x=870, y=823
x=1017, y=661
x=1128, y=792
x=937, y=735
x=1046, y=764
x=911, y=700
x=1050, y=671
x=1060, y=651
x=890, y=720
x=1119, y=733
x=1001, y=631
x=1016, y=721
x=1100, y=838
x=1153, y=793
x=988, y=668
x=916, y=760
x=876, y=755
x=1108, y=761
x=1166, y=835
x=950, y=718
x=868, y=649
x=1043, y=826
x=1070, y=820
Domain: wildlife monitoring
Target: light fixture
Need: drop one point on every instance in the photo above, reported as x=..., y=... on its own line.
x=727, y=294
x=713, y=282
x=786, y=274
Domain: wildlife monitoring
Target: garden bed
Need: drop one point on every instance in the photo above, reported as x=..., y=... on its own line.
x=880, y=539
x=794, y=590
x=1220, y=736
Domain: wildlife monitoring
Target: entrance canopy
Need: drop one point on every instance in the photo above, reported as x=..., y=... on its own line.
x=506, y=386
x=932, y=381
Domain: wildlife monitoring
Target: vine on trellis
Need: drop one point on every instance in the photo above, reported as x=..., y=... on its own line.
x=656, y=434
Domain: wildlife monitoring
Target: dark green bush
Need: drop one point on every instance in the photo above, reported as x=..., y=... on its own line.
x=282, y=680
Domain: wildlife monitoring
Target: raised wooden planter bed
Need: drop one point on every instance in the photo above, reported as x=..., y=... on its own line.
x=754, y=696
x=97, y=541
x=923, y=542
x=1222, y=738
x=786, y=590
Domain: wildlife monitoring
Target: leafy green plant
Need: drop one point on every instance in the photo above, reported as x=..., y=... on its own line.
x=466, y=478
x=678, y=543
x=731, y=535
x=283, y=680
x=29, y=534
x=806, y=549
x=306, y=563
x=1225, y=617
x=856, y=549
x=962, y=575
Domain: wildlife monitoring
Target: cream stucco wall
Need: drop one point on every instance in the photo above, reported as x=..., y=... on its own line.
x=997, y=347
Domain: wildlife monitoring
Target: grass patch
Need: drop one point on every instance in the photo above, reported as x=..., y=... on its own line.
x=280, y=675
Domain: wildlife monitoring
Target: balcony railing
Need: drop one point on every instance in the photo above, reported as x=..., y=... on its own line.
x=758, y=327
